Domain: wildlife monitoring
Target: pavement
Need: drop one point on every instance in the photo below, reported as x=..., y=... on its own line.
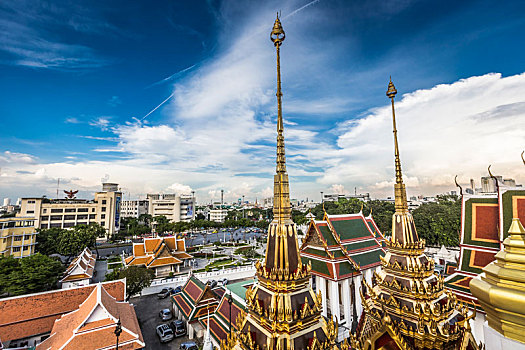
x=107, y=252
x=101, y=268
x=238, y=234
x=147, y=309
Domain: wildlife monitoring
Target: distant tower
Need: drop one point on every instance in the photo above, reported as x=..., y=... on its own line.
x=222, y=198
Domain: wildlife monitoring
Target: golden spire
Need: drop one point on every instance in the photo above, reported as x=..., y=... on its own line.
x=400, y=191
x=281, y=202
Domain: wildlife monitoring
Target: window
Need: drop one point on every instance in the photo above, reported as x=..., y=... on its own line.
x=103, y=216
x=55, y=225
x=102, y=223
x=56, y=217
x=92, y=216
x=31, y=202
x=18, y=238
x=70, y=210
x=69, y=217
x=44, y=210
x=26, y=247
x=103, y=201
x=10, y=224
x=44, y=218
x=103, y=209
x=92, y=210
x=82, y=217
x=27, y=238
x=69, y=224
x=83, y=210
x=43, y=225
x=57, y=210
x=30, y=211
x=16, y=249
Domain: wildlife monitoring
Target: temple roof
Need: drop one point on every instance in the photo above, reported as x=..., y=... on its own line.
x=82, y=267
x=195, y=299
x=341, y=245
x=155, y=252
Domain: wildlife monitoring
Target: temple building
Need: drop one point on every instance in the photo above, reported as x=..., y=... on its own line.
x=81, y=270
x=485, y=222
x=163, y=255
x=407, y=307
x=501, y=293
x=343, y=250
x=283, y=312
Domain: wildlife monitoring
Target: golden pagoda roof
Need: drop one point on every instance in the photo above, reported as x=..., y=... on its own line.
x=501, y=289
x=283, y=312
x=407, y=306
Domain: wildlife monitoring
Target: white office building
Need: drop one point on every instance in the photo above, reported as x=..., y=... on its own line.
x=173, y=206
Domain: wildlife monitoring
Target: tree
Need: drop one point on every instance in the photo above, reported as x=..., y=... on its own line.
x=439, y=222
x=72, y=242
x=35, y=273
x=162, y=224
x=47, y=240
x=137, y=278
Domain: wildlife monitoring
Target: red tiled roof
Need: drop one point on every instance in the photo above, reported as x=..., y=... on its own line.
x=84, y=328
x=33, y=314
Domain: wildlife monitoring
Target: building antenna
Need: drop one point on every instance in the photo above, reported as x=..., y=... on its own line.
x=58, y=185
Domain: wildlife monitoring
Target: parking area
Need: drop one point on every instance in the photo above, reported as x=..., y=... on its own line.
x=147, y=309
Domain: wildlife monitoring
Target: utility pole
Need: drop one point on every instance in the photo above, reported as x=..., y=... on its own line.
x=118, y=330
x=322, y=198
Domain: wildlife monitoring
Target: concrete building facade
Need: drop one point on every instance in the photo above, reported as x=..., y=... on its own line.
x=134, y=209
x=173, y=206
x=17, y=236
x=65, y=213
x=218, y=215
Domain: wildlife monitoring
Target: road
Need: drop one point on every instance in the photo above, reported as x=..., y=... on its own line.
x=197, y=238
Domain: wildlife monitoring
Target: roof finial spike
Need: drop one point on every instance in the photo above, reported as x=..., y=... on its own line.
x=496, y=183
x=522, y=158
x=281, y=208
x=458, y=185
x=401, y=204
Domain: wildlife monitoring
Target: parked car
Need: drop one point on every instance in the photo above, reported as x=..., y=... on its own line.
x=165, y=292
x=176, y=290
x=223, y=281
x=178, y=327
x=190, y=345
x=165, y=333
x=165, y=314
x=212, y=283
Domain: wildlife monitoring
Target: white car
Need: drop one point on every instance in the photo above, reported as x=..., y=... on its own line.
x=165, y=333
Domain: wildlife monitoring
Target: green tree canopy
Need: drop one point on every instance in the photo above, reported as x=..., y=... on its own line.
x=47, y=240
x=137, y=278
x=35, y=273
x=72, y=242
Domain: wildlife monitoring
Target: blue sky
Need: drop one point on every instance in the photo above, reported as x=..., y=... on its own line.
x=79, y=77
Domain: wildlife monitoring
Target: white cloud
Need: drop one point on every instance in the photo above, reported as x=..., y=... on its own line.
x=101, y=122
x=457, y=128
x=179, y=188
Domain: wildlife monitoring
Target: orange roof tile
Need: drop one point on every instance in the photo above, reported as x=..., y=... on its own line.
x=138, y=249
x=33, y=314
x=182, y=255
x=181, y=246
x=141, y=260
x=171, y=242
x=164, y=261
x=150, y=244
x=85, y=329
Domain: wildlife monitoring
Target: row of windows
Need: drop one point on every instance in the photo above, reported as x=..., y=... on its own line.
x=19, y=238
x=72, y=217
x=18, y=223
x=17, y=249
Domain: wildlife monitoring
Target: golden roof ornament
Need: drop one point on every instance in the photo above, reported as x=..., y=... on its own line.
x=501, y=289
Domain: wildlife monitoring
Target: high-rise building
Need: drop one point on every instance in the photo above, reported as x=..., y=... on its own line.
x=65, y=213
x=283, y=310
x=407, y=307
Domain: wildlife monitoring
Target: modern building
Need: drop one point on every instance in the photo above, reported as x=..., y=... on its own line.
x=173, y=206
x=407, y=306
x=17, y=236
x=218, y=215
x=134, y=209
x=81, y=270
x=163, y=255
x=28, y=320
x=343, y=250
x=65, y=213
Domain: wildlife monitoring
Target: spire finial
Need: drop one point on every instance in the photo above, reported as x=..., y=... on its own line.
x=522, y=158
x=282, y=208
x=400, y=191
x=458, y=185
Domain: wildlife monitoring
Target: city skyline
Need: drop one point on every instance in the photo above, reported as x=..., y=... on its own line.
x=199, y=113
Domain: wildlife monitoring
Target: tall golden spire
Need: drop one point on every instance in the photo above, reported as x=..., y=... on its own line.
x=400, y=191
x=281, y=202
